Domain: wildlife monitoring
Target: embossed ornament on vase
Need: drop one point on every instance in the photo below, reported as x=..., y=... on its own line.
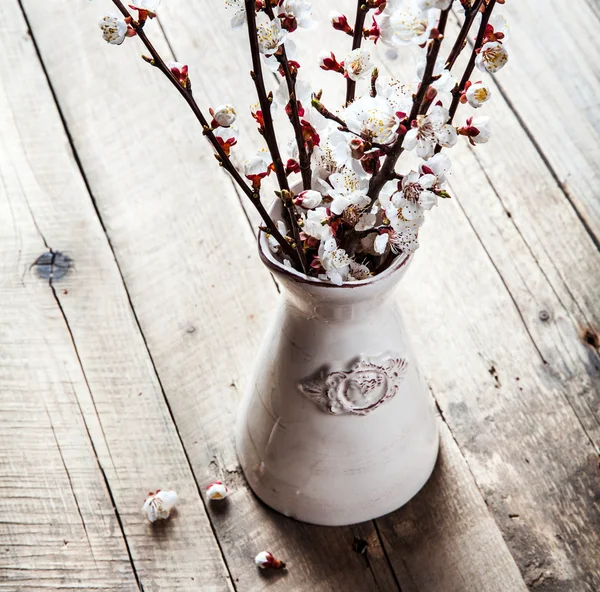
x=368, y=384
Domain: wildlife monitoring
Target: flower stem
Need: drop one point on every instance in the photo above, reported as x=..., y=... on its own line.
x=222, y=157
x=295, y=115
x=361, y=14
x=387, y=169
x=462, y=35
x=269, y=128
x=471, y=65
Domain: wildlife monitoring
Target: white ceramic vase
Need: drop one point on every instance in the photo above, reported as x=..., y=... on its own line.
x=337, y=426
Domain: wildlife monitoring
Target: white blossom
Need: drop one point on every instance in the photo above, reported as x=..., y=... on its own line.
x=335, y=261
x=299, y=12
x=239, y=13
x=308, y=199
x=438, y=165
x=430, y=130
x=483, y=128
x=445, y=81
x=275, y=247
x=358, y=272
x=441, y=4
x=374, y=118
x=158, y=505
x=271, y=36
x=225, y=115
x=399, y=95
x=416, y=195
x=492, y=57
x=348, y=189
x=315, y=224
x=218, y=490
x=358, y=64
x=404, y=23
x=381, y=243
x=114, y=29
x=477, y=94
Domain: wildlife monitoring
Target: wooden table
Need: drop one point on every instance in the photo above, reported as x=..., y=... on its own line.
x=123, y=376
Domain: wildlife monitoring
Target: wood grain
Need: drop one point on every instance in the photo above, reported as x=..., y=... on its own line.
x=559, y=108
x=86, y=430
x=528, y=442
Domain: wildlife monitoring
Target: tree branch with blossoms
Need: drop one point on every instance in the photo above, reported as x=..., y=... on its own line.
x=387, y=171
x=269, y=130
x=290, y=79
x=183, y=86
x=352, y=212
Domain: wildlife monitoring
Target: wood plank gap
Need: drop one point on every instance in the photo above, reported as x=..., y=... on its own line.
x=386, y=555
x=137, y=322
x=104, y=476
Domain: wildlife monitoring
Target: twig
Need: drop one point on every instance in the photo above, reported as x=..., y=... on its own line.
x=471, y=65
x=387, y=169
x=269, y=128
x=344, y=126
x=462, y=35
x=295, y=115
x=223, y=159
x=361, y=14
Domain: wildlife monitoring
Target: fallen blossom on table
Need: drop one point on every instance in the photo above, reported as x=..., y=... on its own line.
x=158, y=505
x=217, y=491
x=266, y=560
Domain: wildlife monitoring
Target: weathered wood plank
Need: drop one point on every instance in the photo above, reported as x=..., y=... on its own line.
x=75, y=362
x=445, y=539
x=304, y=540
x=553, y=84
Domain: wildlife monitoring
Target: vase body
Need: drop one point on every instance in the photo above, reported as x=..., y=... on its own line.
x=337, y=426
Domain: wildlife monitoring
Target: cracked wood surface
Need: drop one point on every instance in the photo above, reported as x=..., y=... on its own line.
x=517, y=389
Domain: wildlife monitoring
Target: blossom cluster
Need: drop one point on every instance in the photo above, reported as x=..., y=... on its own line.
x=353, y=210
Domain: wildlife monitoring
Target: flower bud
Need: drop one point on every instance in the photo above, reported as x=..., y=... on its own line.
x=217, y=491
x=308, y=199
x=328, y=61
x=340, y=22
x=224, y=115
x=266, y=560
x=180, y=71
x=357, y=148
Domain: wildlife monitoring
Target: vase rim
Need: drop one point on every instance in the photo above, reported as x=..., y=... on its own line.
x=268, y=259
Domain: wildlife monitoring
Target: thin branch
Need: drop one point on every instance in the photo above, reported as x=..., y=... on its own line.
x=361, y=14
x=458, y=46
x=223, y=159
x=471, y=65
x=344, y=126
x=295, y=115
x=387, y=169
x=269, y=128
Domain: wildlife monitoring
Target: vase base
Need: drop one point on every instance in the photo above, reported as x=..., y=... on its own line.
x=366, y=501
